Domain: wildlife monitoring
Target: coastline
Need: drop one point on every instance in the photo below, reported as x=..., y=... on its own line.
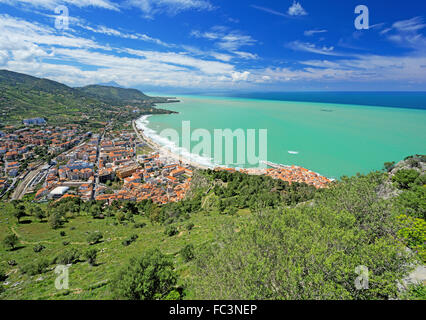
x=295, y=175
x=163, y=151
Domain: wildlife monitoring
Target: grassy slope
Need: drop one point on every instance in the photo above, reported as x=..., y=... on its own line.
x=24, y=96
x=82, y=276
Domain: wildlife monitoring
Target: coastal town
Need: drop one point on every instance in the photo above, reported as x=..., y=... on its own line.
x=58, y=162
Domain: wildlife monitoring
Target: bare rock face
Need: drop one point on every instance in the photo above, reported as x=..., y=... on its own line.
x=387, y=190
x=417, y=162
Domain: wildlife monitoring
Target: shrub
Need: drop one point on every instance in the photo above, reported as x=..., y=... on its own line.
x=38, y=248
x=308, y=252
x=415, y=292
x=55, y=221
x=139, y=225
x=413, y=232
x=94, y=238
x=171, y=231
x=36, y=267
x=65, y=243
x=3, y=276
x=189, y=226
x=90, y=256
x=10, y=241
x=62, y=234
x=389, y=166
x=68, y=256
x=149, y=277
x=129, y=241
x=12, y=263
x=187, y=252
x=404, y=178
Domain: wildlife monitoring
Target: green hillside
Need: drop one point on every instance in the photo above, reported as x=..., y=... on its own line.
x=234, y=237
x=23, y=96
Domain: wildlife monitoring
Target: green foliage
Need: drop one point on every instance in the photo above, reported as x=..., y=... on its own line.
x=388, y=166
x=55, y=220
x=189, y=226
x=129, y=241
x=404, y=178
x=171, y=231
x=415, y=292
x=150, y=277
x=413, y=232
x=187, y=252
x=69, y=256
x=62, y=234
x=39, y=213
x=90, y=256
x=139, y=225
x=308, y=252
x=413, y=202
x=10, y=241
x=36, y=267
x=38, y=248
x=94, y=238
x=19, y=212
x=3, y=276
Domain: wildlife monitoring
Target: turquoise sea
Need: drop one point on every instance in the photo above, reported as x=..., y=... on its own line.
x=330, y=138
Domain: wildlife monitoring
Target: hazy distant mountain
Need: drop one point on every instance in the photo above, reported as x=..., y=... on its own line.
x=117, y=95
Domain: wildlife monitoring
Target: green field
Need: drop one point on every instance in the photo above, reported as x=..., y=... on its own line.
x=86, y=282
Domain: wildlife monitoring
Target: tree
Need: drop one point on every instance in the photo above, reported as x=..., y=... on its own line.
x=405, y=177
x=94, y=238
x=171, y=231
x=10, y=241
x=309, y=252
x=19, y=212
x=388, y=166
x=39, y=213
x=149, y=277
x=90, y=256
x=55, y=220
x=187, y=252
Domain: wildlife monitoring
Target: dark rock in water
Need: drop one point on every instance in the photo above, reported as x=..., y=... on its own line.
x=327, y=110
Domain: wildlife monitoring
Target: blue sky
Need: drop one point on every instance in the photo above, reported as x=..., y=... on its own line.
x=218, y=45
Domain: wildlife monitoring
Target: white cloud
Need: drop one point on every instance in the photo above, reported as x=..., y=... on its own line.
x=406, y=33
x=39, y=50
x=240, y=76
x=152, y=7
x=409, y=25
x=296, y=9
x=309, y=47
x=52, y=4
x=116, y=33
x=228, y=40
x=268, y=10
x=309, y=33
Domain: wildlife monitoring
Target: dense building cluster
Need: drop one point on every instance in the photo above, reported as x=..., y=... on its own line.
x=288, y=173
x=21, y=146
x=108, y=168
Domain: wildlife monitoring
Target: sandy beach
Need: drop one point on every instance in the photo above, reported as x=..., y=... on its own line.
x=164, y=152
